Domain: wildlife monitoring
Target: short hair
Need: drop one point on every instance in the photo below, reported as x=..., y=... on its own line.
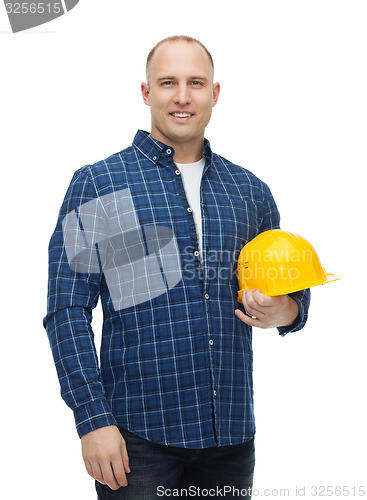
x=176, y=38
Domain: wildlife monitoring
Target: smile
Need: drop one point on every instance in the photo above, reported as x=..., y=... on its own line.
x=181, y=115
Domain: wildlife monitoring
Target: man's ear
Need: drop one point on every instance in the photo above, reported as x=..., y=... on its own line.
x=145, y=93
x=216, y=91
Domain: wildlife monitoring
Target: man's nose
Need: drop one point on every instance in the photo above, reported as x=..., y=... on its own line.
x=183, y=95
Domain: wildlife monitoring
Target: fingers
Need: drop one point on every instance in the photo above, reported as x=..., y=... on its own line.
x=254, y=302
x=94, y=473
x=94, y=470
x=259, y=306
x=119, y=473
x=247, y=319
x=105, y=456
x=109, y=472
x=251, y=307
x=120, y=465
x=267, y=312
x=125, y=456
x=113, y=474
x=242, y=316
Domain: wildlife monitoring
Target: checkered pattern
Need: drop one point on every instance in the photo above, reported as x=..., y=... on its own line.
x=177, y=368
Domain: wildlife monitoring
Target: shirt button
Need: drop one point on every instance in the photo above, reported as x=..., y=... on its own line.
x=206, y=296
x=196, y=253
x=177, y=172
x=211, y=342
x=169, y=151
x=189, y=209
x=154, y=158
x=215, y=392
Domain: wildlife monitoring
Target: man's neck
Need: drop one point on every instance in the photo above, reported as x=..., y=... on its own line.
x=185, y=152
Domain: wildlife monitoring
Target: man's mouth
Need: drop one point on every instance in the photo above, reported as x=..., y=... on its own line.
x=181, y=115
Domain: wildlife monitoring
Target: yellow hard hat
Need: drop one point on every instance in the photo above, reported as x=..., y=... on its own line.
x=277, y=262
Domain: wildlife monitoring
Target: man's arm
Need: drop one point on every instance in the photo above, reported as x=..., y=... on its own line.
x=72, y=295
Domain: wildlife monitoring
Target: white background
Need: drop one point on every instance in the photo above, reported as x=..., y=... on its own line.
x=293, y=110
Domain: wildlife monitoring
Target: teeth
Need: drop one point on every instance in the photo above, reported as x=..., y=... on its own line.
x=181, y=115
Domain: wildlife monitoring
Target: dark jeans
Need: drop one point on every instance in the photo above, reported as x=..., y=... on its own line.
x=159, y=471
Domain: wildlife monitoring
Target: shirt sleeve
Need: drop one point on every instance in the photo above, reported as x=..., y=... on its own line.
x=271, y=220
x=73, y=291
x=303, y=300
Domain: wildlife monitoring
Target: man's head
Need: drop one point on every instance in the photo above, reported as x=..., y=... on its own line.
x=180, y=90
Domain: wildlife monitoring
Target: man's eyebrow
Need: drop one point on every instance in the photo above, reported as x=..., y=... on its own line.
x=165, y=78
x=203, y=78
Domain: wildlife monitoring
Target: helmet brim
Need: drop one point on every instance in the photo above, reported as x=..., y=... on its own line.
x=331, y=277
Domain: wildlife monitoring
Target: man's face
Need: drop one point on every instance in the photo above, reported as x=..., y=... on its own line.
x=180, y=93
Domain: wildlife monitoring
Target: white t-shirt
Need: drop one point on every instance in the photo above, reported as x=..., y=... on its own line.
x=191, y=177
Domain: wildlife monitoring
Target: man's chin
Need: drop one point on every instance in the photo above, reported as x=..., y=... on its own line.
x=182, y=136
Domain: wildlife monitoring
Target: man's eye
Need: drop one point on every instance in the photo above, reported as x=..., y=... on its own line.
x=196, y=83
x=167, y=84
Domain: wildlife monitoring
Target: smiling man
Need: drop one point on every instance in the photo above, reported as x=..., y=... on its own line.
x=154, y=231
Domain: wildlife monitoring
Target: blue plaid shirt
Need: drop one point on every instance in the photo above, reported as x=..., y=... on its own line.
x=175, y=362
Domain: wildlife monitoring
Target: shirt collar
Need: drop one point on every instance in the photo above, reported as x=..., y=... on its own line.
x=153, y=149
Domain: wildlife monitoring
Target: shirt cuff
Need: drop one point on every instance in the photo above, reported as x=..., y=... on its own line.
x=93, y=416
x=301, y=319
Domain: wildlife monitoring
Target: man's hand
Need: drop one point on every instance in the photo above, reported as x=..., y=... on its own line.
x=267, y=312
x=105, y=456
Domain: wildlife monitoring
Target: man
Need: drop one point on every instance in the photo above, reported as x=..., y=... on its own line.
x=155, y=231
